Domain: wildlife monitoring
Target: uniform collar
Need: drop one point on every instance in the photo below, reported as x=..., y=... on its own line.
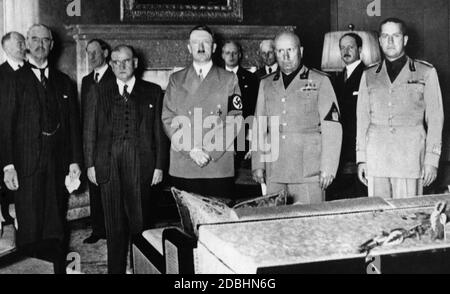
x=204, y=67
x=395, y=67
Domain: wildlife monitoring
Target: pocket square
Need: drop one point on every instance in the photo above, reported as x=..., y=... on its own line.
x=356, y=93
x=150, y=105
x=65, y=96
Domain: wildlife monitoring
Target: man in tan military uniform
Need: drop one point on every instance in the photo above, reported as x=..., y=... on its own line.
x=200, y=104
x=310, y=133
x=396, y=156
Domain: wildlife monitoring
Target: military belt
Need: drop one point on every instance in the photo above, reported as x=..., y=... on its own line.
x=299, y=130
x=390, y=124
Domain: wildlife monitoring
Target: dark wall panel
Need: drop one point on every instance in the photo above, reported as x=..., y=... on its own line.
x=311, y=17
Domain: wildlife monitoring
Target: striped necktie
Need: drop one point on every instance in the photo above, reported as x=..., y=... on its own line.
x=125, y=94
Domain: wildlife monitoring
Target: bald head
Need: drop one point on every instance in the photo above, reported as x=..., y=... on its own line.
x=13, y=43
x=288, y=51
x=288, y=35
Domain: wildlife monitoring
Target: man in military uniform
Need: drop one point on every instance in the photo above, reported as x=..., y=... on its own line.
x=396, y=155
x=310, y=132
x=198, y=104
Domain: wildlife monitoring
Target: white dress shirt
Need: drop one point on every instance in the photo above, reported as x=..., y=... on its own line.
x=274, y=68
x=351, y=67
x=101, y=71
x=14, y=64
x=36, y=71
x=234, y=69
x=130, y=85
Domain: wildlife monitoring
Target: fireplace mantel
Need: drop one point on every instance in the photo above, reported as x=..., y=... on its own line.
x=162, y=48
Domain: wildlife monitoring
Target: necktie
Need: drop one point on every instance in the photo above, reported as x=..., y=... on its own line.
x=43, y=78
x=200, y=75
x=125, y=94
x=96, y=77
x=270, y=70
x=345, y=75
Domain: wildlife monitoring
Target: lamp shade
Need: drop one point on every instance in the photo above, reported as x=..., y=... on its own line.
x=331, y=55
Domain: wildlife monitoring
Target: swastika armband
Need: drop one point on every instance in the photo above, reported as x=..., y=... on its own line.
x=333, y=114
x=235, y=103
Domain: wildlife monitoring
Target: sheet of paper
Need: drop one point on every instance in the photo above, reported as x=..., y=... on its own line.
x=264, y=189
x=72, y=185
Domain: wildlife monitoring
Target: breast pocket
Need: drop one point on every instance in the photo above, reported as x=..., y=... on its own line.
x=308, y=102
x=415, y=95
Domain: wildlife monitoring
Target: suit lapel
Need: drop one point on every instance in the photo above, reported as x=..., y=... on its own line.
x=109, y=74
x=107, y=92
x=137, y=96
x=355, y=73
x=8, y=68
x=191, y=81
x=54, y=85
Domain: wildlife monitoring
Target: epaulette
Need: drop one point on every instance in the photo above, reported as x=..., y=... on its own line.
x=267, y=75
x=379, y=64
x=424, y=62
x=321, y=72
x=276, y=75
x=412, y=66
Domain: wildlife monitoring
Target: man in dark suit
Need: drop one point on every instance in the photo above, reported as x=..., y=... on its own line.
x=267, y=54
x=42, y=145
x=13, y=44
x=98, y=53
x=125, y=150
x=346, y=184
x=248, y=83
